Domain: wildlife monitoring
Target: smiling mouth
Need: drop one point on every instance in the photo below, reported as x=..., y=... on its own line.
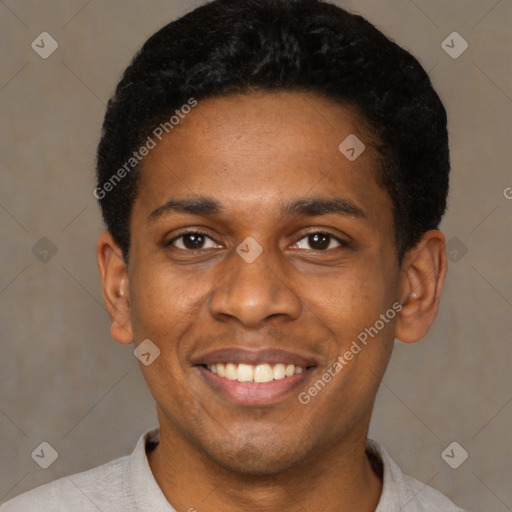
x=258, y=373
x=260, y=384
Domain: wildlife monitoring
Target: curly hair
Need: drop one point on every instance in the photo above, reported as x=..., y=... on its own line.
x=236, y=46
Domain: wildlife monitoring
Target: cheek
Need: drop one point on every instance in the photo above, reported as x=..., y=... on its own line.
x=348, y=309
x=348, y=302
x=165, y=299
x=166, y=304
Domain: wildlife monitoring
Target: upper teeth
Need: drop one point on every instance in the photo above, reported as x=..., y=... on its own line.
x=254, y=373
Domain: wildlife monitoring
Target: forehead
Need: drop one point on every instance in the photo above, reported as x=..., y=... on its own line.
x=255, y=150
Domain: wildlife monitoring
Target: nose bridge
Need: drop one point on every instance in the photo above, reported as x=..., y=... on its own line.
x=251, y=291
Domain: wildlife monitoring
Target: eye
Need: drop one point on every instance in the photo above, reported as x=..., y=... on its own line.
x=319, y=242
x=192, y=241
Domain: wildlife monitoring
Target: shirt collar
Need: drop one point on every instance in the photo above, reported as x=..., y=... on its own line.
x=395, y=492
x=148, y=495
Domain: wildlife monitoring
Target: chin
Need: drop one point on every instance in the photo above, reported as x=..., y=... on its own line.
x=255, y=459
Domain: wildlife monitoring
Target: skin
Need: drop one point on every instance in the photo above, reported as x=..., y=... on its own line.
x=252, y=153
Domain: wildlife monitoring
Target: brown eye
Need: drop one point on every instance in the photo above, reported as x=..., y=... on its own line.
x=192, y=241
x=319, y=242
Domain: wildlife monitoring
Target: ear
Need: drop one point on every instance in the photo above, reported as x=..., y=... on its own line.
x=116, y=289
x=423, y=271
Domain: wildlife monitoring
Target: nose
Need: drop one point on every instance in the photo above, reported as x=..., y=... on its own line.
x=254, y=292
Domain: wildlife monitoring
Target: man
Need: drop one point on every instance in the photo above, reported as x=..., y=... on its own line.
x=272, y=174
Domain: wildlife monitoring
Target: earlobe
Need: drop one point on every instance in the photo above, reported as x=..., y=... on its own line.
x=116, y=289
x=423, y=273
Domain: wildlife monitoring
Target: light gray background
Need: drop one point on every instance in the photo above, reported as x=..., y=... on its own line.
x=64, y=381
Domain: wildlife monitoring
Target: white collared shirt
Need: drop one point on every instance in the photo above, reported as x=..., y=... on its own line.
x=127, y=484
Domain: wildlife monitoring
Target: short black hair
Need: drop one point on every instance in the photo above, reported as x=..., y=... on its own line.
x=238, y=46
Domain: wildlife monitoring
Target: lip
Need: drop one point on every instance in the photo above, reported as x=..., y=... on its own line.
x=239, y=355
x=253, y=393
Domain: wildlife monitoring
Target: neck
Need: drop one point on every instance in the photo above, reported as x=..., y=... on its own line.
x=337, y=479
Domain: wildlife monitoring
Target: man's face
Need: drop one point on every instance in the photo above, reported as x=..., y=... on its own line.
x=323, y=276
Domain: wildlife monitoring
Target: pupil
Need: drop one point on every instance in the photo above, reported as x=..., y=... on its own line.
x=321, y=241
x=193, y=241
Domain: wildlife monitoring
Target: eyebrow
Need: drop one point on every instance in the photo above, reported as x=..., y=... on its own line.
x=209, y=207
x=319, y=206
x=204, y=206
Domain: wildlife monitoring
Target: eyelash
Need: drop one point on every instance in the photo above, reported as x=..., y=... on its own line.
x=343, y=243
x=191, y=232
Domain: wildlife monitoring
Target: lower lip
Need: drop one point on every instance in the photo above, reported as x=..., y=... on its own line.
x=255, y=393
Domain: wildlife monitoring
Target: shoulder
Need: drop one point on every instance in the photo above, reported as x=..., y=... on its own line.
x=402, y=492
x=426, y=498
x=87, y=491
